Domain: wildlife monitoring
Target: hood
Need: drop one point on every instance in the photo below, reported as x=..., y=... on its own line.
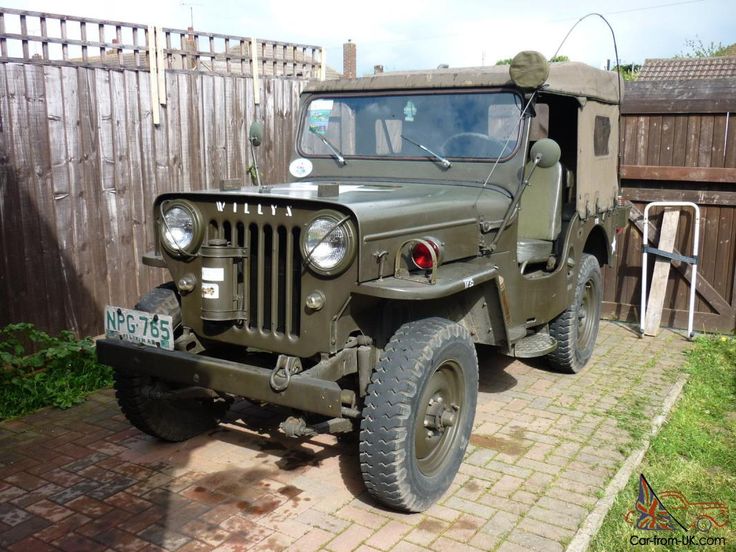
x=382, y=207
x=389, y=214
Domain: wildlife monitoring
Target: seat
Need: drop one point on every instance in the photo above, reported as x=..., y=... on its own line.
x=540, y=214
x=532, y=251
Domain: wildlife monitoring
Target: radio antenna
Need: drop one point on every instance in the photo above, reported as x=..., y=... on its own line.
x=615, y=45
x=618, y=69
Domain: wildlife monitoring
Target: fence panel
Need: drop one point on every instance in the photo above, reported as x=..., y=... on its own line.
x=81, y=159
x=680, y=151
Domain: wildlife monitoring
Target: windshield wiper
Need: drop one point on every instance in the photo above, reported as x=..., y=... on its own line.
x=444, y=162
x=335, y=152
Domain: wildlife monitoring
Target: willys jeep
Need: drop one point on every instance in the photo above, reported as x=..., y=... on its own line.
x=429, y=212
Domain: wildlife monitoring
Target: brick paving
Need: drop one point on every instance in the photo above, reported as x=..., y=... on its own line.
x=544, y=446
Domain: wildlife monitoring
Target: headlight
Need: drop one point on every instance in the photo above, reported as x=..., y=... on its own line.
x=328, y=243
x=180, y=228
x=179, y=231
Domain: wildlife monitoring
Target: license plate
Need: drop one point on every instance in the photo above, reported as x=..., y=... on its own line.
x=155, y=330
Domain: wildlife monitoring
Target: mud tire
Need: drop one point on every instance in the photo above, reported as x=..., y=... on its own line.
x=424, y=360
x=576, y=329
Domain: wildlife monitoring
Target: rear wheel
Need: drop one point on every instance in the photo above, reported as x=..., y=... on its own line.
x=167, y=419
x=576, y=329
x=419, y=413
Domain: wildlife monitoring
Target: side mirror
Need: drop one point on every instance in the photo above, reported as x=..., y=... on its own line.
x=547, y=151
x=255, y=134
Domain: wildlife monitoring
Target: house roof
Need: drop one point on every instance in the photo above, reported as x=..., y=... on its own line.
x=332, y=74
x=688, y=68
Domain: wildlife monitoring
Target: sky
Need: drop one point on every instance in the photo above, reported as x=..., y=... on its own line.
x=421, y=34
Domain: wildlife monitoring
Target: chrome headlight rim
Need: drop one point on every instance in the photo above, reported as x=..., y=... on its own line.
x=348, y=228
x=197, y=227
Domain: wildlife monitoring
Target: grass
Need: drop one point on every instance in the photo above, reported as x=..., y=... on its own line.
x=694, y=453
x=38, y=370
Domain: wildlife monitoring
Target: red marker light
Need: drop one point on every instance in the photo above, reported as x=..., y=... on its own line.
x=422, y=257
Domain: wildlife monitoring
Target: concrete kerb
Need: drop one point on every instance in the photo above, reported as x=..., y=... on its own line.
x=593, y=522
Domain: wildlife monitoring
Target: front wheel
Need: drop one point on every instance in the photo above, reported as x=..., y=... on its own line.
x=418, y=414
x=576, y=329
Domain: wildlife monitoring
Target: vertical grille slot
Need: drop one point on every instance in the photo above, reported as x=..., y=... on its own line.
x=283, y=296
x=295, y=274
x=253, y=276
x=240, y=237
x=266, y=265
x=273, y=280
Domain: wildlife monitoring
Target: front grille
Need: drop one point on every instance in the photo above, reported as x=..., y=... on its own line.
x=269, y=277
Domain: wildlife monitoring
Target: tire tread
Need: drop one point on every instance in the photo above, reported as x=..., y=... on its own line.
x=390, y=393
x=564, y=327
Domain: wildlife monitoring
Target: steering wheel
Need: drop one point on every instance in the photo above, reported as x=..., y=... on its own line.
x=488, y=146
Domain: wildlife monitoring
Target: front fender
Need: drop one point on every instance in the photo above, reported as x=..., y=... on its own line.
x=451, y=278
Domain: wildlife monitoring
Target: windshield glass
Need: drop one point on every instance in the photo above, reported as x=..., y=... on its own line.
x=456, y=125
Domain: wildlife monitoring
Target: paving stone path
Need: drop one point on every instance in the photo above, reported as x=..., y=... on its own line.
x=544, y=447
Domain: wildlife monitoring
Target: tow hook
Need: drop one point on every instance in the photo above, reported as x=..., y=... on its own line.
x=286, y=366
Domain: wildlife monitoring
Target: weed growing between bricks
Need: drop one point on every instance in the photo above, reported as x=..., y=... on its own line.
x=692, y=454
x=635, y=409
x=38, y=370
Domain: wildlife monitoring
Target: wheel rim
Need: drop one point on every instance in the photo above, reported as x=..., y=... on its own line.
x=587, y=315
x=439, y=415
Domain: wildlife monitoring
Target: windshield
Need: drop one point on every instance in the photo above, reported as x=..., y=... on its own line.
x=455, y=125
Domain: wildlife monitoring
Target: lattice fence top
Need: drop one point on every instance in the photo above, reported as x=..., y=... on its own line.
x=27, y=36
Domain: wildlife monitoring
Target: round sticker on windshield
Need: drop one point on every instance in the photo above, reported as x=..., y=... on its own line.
x=300, y=167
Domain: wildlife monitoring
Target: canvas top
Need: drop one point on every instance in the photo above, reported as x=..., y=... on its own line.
x=565, y=78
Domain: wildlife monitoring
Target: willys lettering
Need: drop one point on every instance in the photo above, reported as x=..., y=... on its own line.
x=257, y=209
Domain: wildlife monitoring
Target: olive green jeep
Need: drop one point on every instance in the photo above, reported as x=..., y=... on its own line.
x=429, y=212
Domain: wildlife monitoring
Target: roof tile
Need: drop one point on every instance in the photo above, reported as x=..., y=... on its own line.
x=688, y=68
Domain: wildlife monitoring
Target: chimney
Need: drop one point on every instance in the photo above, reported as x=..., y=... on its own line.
x=377, y=69
x=113, y=50
x=348, y=60
x=189, y=44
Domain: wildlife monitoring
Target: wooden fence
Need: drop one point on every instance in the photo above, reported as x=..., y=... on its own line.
x=678, y=143
x=81, y=160
x=53, y=39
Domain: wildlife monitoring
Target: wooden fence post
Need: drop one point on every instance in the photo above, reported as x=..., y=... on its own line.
x=661, y=275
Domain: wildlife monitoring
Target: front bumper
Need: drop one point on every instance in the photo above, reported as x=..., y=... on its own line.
x=252, y=382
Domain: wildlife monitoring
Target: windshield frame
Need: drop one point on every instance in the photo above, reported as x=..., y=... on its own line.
x=312, y=96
